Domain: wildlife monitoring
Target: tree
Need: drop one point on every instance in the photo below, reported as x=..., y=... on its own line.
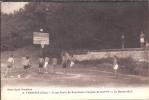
x=78, y=25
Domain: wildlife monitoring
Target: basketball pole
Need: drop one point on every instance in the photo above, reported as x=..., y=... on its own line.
x=42, y=45
x=41, y=54
x=122, y=41
x=42, y=50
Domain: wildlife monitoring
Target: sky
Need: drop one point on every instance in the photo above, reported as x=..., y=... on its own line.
x=10, y=7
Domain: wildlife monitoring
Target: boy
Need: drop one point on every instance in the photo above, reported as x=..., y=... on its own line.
x=46, y=64
x=10, y=64
x=54, y=63
x=26, y=64
x=115, y=65
x=64, y=61
x=41, y=64
x=71, y=63
x=147, y=44
x=142, y=40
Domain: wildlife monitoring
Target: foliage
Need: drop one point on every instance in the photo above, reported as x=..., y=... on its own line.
x=76, y=25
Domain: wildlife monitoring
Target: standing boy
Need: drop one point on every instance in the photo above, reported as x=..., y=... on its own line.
x=71, y=62
x=41, y=64
x=54, y=63
x=64, y=61
x=46, y=64
x=115, y=65
x=27, y=64
x=142, y=39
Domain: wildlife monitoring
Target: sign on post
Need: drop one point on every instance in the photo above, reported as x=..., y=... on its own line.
x=40, y=38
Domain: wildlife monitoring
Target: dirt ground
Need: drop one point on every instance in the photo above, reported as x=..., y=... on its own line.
x=78, y=76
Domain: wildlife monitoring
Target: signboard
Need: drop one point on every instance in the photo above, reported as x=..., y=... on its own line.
x=40, y=38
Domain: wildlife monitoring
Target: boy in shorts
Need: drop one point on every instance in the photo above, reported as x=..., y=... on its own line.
x=26, y=64
x=54, y=63
x=41, y=64
x=115, y=65
x=64, y=62
x=142, y=40
x=46, y=63
x=71, y=62
x=10, y=64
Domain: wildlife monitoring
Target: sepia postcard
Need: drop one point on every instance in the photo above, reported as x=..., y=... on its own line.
x=74, y=50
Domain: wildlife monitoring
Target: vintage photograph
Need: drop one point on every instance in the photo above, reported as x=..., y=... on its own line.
x=74, y=45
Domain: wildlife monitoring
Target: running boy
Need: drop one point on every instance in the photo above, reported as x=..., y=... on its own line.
x=10, y=64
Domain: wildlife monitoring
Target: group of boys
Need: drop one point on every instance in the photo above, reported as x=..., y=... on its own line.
x=43, y=63
x=10, y=63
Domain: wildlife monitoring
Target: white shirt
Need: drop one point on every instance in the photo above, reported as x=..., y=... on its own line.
x=10, y=60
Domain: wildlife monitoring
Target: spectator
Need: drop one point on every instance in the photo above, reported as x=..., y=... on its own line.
x=142, y=40
x=54, y=63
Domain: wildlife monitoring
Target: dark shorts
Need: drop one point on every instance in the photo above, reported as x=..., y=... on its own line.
x=64, y=65
x=9, y=66
x=26, y=66
x=68, y=63
x=40, y=65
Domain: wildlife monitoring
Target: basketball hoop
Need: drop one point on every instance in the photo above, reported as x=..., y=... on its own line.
x=42, y=44
x=41, y=30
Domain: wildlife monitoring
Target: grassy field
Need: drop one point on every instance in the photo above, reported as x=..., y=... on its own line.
x=80, y=75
